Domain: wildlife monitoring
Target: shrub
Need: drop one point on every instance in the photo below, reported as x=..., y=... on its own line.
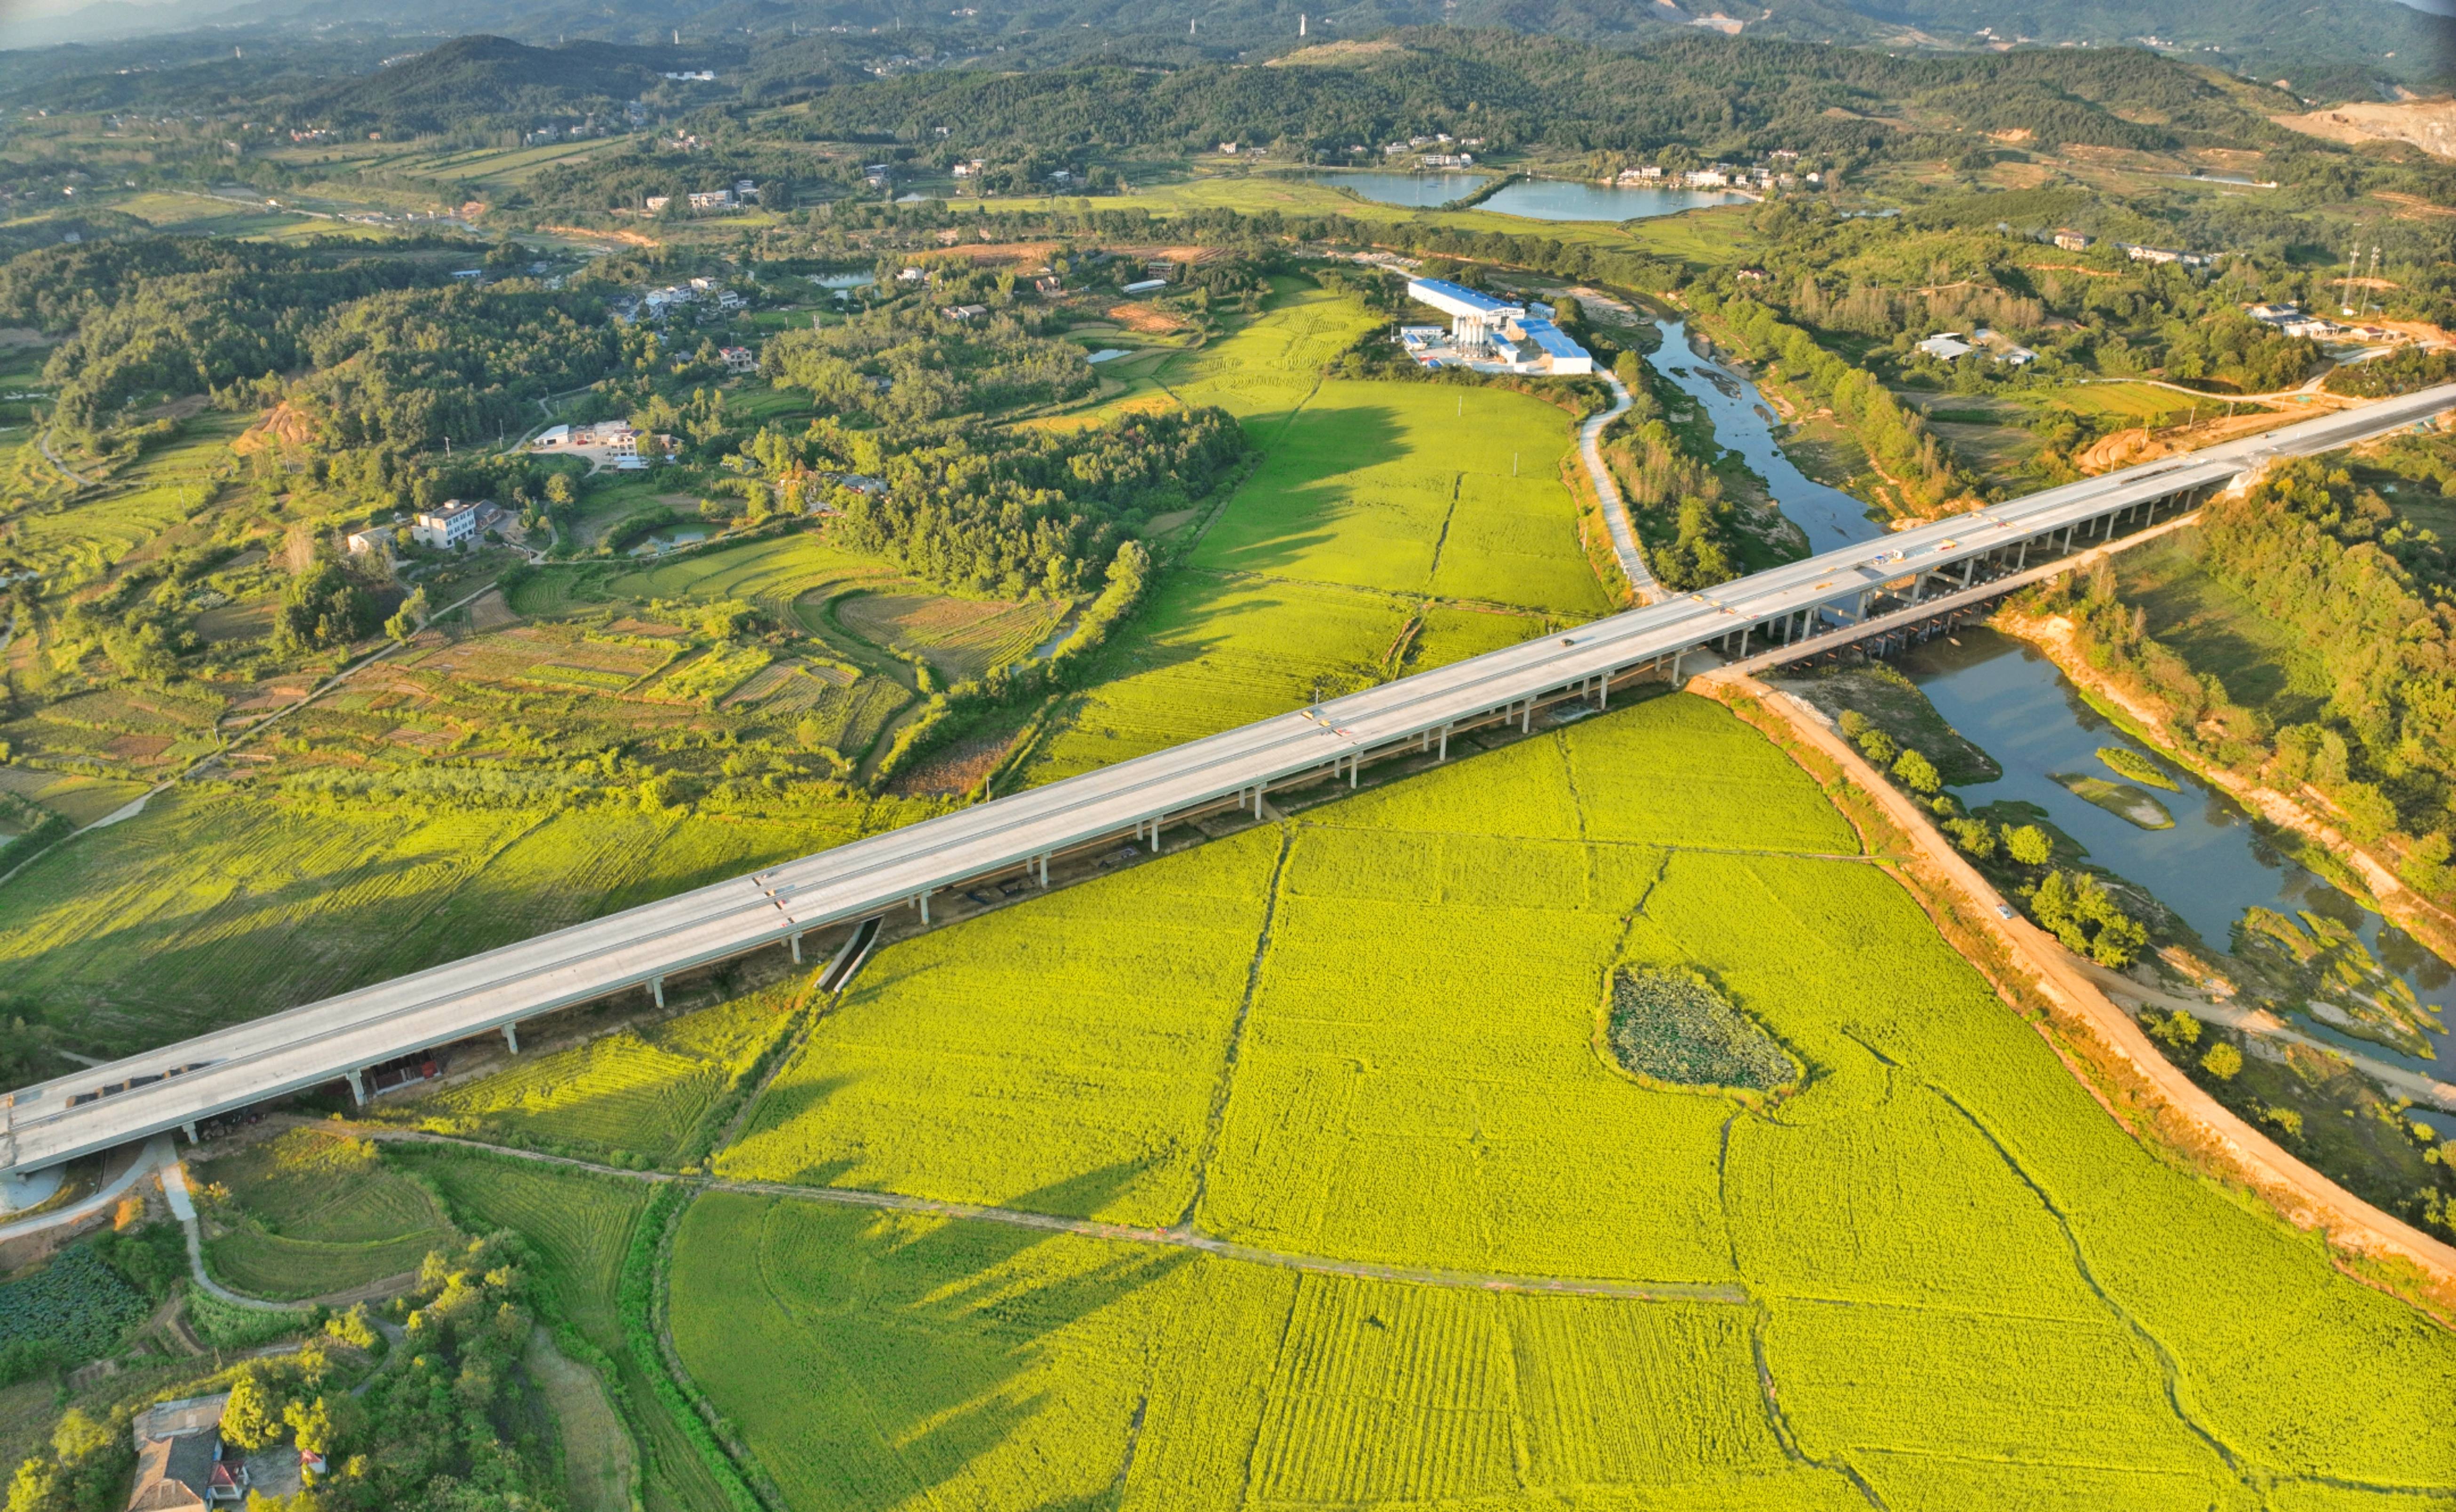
x=2222, y=1061
x=2028, y=844
x=1917, y=773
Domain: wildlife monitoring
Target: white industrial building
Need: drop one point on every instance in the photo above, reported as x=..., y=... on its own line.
x=1490, y=334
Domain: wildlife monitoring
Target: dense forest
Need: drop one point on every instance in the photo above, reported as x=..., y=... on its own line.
x=400, y=355
x=1711, y=94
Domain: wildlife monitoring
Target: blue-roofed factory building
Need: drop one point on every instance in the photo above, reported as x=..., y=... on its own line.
x=1489, y=334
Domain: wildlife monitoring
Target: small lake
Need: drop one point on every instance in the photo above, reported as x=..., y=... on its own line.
x=1415, y=190
x=1744, y=422
x=1575, y=199
x=2008, y=697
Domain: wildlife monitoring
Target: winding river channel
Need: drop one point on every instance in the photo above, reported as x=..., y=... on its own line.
x=2007, y=696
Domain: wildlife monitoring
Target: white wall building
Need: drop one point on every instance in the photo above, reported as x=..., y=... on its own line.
x=1490, y=333
x=447, y=527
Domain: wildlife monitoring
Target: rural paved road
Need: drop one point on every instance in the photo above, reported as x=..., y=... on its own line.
x=44, y=442
x=2302, y=1195
x=1616, y=518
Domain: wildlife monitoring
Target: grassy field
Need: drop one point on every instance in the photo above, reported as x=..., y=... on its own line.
x=632, y=1095
x=577, y=1227
x=1955, y=1281
x=214, y=907
x=1371, y=499
x=2263, y=665
x=312, y=1213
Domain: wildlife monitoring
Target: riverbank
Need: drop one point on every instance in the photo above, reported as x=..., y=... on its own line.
x=2366, y=876
x=2136, y=1083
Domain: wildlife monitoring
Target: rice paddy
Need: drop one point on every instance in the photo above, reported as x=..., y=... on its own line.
x=1952, y=1281
x=629, y=1095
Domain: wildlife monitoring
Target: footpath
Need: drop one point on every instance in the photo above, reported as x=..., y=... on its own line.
x=1615, y=507
x=2303, y=1195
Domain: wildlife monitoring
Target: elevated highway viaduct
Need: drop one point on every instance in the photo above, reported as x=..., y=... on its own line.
x=1798, y=609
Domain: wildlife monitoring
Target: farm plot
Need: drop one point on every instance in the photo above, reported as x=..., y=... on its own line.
x=312, y=1213
x=75, y=1307
x=872, y=1361
x=961, y=638
x=1061, y=1056
x=632, y=1093
x=1964, y=1282
x=1363, y=484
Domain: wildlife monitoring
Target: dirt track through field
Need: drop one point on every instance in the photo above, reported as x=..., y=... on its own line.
x=1180, y=1236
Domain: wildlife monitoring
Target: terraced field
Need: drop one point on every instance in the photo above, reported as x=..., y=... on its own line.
x=312, y=1213
x=1951, y=1280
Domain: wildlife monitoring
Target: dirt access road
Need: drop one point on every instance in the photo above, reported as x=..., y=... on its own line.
x=2303, y=1195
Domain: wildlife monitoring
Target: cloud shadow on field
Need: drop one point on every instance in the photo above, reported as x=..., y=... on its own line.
x=904, y=1355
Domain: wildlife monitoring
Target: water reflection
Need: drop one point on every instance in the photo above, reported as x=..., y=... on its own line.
x=2210, y=868
x=1744, y=422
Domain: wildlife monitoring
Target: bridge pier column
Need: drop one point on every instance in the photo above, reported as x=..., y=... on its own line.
x=512, y=1037
x=1603, y=691
x=190, y=1130
x=1675, y=667
x=1352, y=764
x=797, y=948
x=1969, y=571
x=1526, y=717
x=921, y=900
x=1044, y=869
x=656, y=986
x=358, y=1086
x=1745, y=632
x=1154, y=837
x=1444, y=753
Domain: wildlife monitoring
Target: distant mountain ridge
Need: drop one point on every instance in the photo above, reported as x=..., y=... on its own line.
x=2347, y=50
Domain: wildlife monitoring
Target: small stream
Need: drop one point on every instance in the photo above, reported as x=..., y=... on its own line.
x=1744, y=421
x=2008, y=697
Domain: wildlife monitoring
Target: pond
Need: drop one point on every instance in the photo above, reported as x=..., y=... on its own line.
x=1415, y=190
x=1575, y=199
x=668, y=538
x=1744, y=422
x=844, y=280
x=2209, y=868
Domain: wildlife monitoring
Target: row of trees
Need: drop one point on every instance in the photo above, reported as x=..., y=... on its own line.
x=2315, y=554
x=1895, y=438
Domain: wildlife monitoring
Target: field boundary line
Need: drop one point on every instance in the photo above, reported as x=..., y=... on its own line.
x=1225, y=1086
x=1180, y=1237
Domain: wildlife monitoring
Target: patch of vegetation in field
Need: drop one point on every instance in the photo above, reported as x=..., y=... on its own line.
x=1675, y=1027
x=2264, y=664
x=632, y=1095
x=310, y=1212
x=576, y=1228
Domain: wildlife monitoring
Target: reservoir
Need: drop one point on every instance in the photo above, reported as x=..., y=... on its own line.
x=1575, y=199
x=1744, y=422
x=1415, y=190
x=2008, y=697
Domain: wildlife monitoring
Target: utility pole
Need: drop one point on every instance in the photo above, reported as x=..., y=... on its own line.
x=2367, y=293
x=2346, y=305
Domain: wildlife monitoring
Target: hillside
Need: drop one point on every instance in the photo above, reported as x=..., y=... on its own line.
x=478, y=77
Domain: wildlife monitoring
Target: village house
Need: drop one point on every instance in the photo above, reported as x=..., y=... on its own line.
x=182, y=1463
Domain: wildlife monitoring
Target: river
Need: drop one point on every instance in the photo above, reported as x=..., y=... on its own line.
x=1744, y=422
x=2013, y=701
x=2007, y=696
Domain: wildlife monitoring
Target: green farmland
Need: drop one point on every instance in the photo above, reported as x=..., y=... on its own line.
x=1937, y=1276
